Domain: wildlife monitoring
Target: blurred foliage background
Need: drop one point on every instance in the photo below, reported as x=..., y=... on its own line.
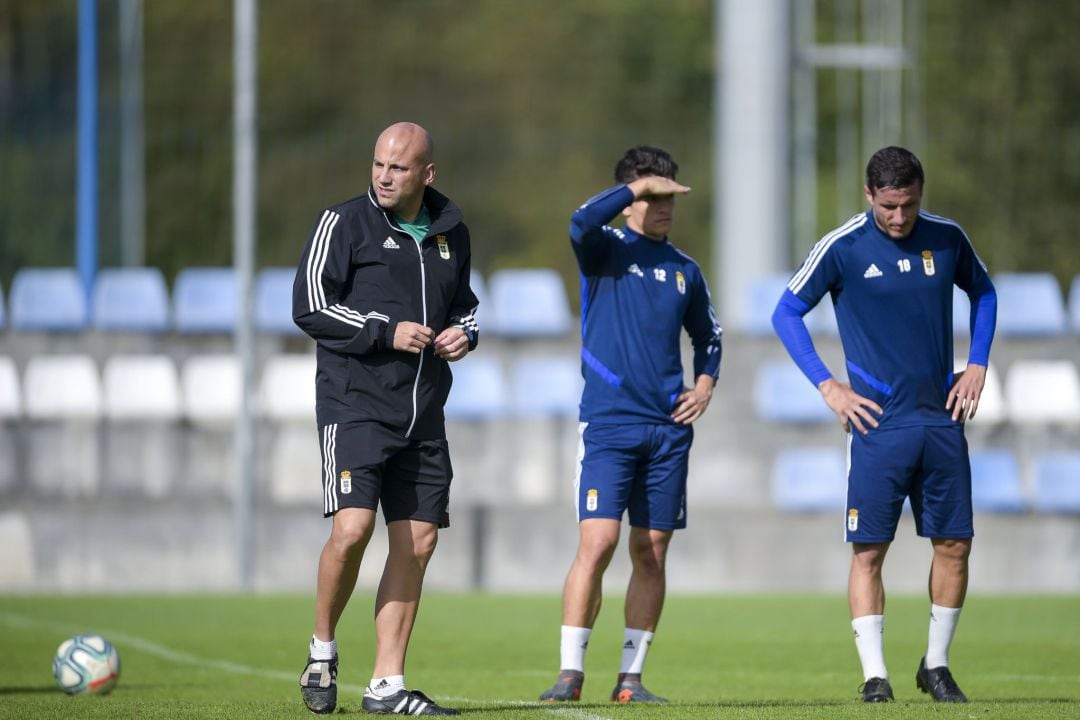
x=530, y=103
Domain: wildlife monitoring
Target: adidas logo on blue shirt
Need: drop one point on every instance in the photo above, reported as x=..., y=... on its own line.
x=872, y=271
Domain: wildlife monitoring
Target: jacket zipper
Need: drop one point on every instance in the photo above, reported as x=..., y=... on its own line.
x=423, y=304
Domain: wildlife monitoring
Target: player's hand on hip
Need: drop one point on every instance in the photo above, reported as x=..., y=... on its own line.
x=412, y=337
x=851, y=408
x=452, y=344
x=692, y=402
x=965, y=392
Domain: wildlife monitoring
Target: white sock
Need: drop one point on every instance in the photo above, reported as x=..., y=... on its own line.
x=319, y=650
x=868, y=641
x=387, y=686
x=575, y=640
x=635, y=648
x=942, y=627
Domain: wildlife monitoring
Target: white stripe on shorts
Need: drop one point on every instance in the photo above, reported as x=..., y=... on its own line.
x=329, y=445
x=577, y=470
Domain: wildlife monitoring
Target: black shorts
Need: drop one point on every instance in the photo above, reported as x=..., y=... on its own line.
x=365, y=463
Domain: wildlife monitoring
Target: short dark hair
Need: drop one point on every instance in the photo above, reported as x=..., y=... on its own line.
x=893, y=167
x=642, y=161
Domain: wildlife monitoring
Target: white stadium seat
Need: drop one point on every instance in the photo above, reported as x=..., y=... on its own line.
x=141, y=387
x=1043, y=391
x=287, y=388
x=62, y=386
x=10, y=395
x=211, y=388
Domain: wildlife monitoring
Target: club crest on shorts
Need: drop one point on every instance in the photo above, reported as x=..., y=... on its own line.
x=345, y=482
x=680, y=283
x=444, y=247
x=928, y=262
x=852, y=520
x=592, y=499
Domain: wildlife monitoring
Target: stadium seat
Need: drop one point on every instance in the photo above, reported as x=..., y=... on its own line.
x=1043, y=391
x=1074, y=305
x=141, y=387
x=479, y=390
x=211, y=388
x=961, y=313
x=10, y=394
x=821, y=320
x=273, y=301
x=287, y=388
x=528, y=303
x=995, y=482
x=58, y=387
x=132, y=298
x=483, y=298
x=762, y=294
x=1057, y=482
x=205, y=300
x=549, y=386
x=48, y=299
x=783, y=394
x=992, y=403
x=1029, y=305
x=809, y=480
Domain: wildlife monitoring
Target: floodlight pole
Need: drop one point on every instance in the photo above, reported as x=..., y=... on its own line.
x=86, y=184
x=245, y=44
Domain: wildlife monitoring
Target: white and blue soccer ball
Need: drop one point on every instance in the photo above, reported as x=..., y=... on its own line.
x=86, y=665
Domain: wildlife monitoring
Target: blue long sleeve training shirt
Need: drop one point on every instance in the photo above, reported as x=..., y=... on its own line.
x=636, y=296
x=893, y=301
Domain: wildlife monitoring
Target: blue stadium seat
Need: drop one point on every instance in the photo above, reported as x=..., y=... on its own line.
x=479, y=391
x=132, y=298
x=528, y=303
x=762, y=294
x=809, y=480
x=1057, y=482
x=205, y=300
x=783, y=394
x=546, y=386
x=48, y=299
x=1074, y=305
x=273, y=301
x=1029, y=305
x=995, y=482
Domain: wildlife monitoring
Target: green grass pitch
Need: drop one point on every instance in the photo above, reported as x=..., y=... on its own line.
x=779, y=656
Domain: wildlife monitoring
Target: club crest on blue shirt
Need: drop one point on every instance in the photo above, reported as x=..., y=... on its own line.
x=444, y=247
x=592, y=498
x=680, y=282
x=928, y=262
x=852, y=520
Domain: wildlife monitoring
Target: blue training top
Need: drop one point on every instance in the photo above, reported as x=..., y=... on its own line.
x=636, y=296
x=893, y=302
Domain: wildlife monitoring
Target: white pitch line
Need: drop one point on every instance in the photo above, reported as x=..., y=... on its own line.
x=167, y=653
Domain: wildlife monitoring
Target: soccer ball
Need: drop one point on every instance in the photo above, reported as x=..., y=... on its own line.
x=86, y=665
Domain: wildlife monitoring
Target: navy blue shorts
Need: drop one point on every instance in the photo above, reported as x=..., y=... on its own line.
x=928, y=464
x=637, y=468
x=366, y=464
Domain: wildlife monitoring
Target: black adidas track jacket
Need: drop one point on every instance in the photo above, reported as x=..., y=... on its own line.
x=359, y=276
